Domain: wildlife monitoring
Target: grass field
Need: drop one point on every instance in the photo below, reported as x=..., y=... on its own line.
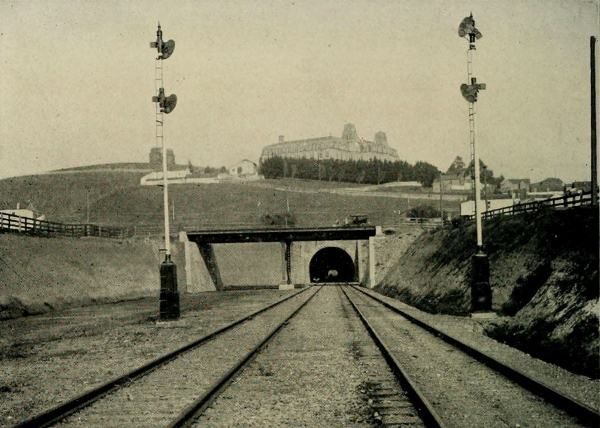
x=238, y=204
x=115, y=198
x=64, y=197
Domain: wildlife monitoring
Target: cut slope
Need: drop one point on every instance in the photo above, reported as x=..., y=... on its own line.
x=543, y=272
x=39, y=274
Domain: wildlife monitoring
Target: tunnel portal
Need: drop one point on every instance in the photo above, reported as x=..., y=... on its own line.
x=332, y=264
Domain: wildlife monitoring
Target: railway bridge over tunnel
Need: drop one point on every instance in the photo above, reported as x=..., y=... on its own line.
x=296, y=256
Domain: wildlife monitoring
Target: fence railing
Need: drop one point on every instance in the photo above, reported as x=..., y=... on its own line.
x=32, y=226
x=572, y=200
x=420, y=222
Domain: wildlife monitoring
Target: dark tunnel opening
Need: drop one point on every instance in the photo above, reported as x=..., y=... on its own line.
x=331, y=265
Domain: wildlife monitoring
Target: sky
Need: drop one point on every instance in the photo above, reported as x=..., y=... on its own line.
x=76, y=79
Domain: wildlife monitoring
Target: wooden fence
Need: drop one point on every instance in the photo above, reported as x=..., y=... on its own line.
x=418, y=222
x=18, y=224
x=565, y=201
x=32, y=226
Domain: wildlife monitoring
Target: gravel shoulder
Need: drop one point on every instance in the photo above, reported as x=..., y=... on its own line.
x=470, y=331
x=464, y=392
x=47, y=359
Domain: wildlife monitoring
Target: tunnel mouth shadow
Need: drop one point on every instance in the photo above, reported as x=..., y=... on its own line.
x=332, y=265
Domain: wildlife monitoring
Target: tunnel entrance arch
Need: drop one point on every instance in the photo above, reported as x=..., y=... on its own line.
x=331, y=264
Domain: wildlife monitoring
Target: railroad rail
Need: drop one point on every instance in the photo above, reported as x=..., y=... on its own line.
x=68, y=408
x=426, y=411
x=187, y=417
x=584, y=413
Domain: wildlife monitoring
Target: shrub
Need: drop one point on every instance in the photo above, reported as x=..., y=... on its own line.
x=423, y=211
x=278, y=219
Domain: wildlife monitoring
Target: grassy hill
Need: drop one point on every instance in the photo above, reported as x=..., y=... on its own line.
x=143, y=166
x=116, y=198
x=64, y=197
x=238, y=204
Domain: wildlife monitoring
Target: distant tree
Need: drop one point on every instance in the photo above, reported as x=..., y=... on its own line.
x=423, y=211
x=425, y=173
x=496, y=183
x=360, y=176
x=271, y=167
x=486, y=175
x=373, y=171
x=223, y=169
x=331, y=170
x=278, y=219
x=458, y=165
x=190, y=166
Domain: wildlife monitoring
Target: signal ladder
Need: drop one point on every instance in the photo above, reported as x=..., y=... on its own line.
x=471, y=107
x=158, y=83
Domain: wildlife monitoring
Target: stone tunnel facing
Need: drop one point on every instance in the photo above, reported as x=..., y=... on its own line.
x=332, y=264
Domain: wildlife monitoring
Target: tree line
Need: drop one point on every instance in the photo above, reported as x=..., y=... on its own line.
x=373, y=171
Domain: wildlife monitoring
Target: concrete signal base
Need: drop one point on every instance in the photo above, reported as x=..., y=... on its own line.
x=481, y=292
x=169, y=296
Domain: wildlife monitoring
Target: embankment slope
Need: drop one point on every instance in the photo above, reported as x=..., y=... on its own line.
x=39, y=274
x=544, y=277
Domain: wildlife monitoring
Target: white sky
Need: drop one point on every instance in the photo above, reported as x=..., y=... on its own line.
x=77, y=80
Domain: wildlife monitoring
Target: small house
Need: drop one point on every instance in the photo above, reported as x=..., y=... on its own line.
x=243, y=168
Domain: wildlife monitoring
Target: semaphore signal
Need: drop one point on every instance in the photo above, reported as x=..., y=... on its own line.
x=481, y=294
x=169, y=295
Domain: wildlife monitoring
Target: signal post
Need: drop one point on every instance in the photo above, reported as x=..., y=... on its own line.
x=169, y=294
x=481, y=292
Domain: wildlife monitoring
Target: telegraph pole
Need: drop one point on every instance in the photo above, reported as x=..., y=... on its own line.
x=441, y=199
x=87, y=203
x=594, y=163
x=481, y=293
x=169, y=295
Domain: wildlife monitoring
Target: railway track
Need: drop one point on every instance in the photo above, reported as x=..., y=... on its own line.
x=389, y=399
x=410, y=377
x=68, y=412
x=390, y=403
x=492, y=391
x=187, y=417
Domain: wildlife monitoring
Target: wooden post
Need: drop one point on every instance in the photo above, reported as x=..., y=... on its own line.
x=593, y=120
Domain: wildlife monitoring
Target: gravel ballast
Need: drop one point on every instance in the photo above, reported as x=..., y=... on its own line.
x=464, y=392
x=471, y=331
x=47, y=359
x=155, y=399
x=318, y=371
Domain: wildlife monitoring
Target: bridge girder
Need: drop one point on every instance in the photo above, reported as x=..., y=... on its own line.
x=231, y=236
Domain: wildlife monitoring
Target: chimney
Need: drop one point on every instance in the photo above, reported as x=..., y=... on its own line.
x=281, y=138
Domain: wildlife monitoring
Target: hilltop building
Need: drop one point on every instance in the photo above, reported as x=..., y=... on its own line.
x=243, y=168
x=243, y=171
x=347, y=147
x=548, y=185
x=456, y=179
x=515, y=185
x=29, y=212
